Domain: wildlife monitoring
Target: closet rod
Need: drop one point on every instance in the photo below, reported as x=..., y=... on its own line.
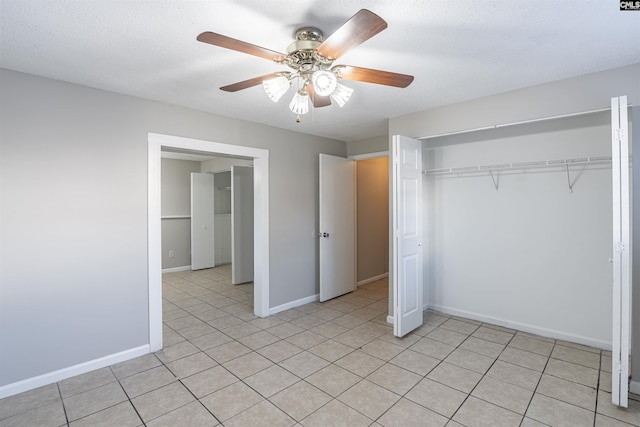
x=521, y=122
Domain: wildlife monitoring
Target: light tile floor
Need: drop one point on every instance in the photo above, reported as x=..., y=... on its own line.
x=328, y=364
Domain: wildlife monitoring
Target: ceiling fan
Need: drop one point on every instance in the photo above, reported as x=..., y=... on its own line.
x=311, y=58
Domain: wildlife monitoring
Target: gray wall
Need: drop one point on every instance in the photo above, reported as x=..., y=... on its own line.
x=176, y=200
x=368, y=145
x=578, y=94
x=73, y=278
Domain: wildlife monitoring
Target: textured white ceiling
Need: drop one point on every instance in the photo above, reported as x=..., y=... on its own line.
x=457, y=50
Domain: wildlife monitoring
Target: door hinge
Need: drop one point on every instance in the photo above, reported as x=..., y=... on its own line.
x=619, y=134
x=619, y=247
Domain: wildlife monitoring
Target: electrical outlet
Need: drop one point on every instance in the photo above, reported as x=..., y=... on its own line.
x=170, y=254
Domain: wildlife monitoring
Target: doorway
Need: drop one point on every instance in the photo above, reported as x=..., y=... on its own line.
x=260, y=157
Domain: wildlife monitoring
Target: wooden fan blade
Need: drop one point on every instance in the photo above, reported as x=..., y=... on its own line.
x=251, y=82
x=358, y=29
x=240, y=46
x=369, y=75
x=317, y=100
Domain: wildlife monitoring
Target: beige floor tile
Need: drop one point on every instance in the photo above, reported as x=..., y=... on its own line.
x=532, y=345
x=395, y=379
x=171, y=337
x=437, y=397
x=466, y=328
x=493, y=335
x=224, y=322
x=579, y=346
x=258, y=340
x=577, y=356
x=605, y=381
x=121, y=415
x=307, y=339
x=528, y=422
x=447, y=336
x=84, y=382
x=241, y=330
x=329, y=329
x=415, y=362
x=196, y=331
x=606, y=363
x=478, y=413
x=556, y=413
x=134, y=366
x=336, y=413
x=176, y=351
x=526, y=359
x=304, y=364
x=192, y=415
x=51, y=414
x=333, y=380
x=382, y=349
x=469, y=360
x=247, y=365
x=568, y=391
x=94, y=400
x=353, y=338
x=432, y=348
x=373, y=329
x=514, y=374
x=405, y=341
x=228, y=351
x=454, y=376
x=162, y=401
x=407, y=413
x=369, y=399
x=307, y=321
x=263, y=414
x=190, y=365
x=23, y=402
x=629, y=415
x=348, y=321
x=213, y=339
x=146, y=381
x=433, y=318
x=360, y=363
x=231, y=401
x=604, y=421
x=572, y=372
x=279, y=351
x=300, y=400
x=484, y=347
x=331, y=350
x=505, y=395
x=211, y=314
x=209, y=381
x=271, y=380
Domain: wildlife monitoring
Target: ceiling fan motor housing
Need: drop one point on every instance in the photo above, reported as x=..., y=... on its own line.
x=302, y=54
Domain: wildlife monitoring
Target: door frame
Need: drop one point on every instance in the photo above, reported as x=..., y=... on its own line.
x=261, y=222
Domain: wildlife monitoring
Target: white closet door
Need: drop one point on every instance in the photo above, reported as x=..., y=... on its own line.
x=407, y=280
x=241, y=224
x=202, y=221
x=621, y=251
x=337, y=226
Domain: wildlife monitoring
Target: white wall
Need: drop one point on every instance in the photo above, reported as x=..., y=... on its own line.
x=73, y=252
x=470, y=256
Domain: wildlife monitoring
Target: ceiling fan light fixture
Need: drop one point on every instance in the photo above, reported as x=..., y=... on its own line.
x=341, y=94
x=324, y=82
x=300, y=103
x=276, y=87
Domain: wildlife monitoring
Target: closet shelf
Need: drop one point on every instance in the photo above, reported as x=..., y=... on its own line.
x=561, y=163
x=175, y=217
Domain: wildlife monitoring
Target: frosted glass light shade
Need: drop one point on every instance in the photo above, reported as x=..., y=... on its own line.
x=341, y=94
x=300, y=103
x=276, y=87
x=324, y=82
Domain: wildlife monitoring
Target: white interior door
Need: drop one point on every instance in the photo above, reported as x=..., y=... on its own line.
x=241, y=224
x=621, y=251
x=202, y=221
x=407, y=234
x=337, y=226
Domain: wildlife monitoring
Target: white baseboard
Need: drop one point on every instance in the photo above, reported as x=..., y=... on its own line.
x=294, y=304
x=373, y=279
x=390, y=319
x=545, y=332
x=634, y=387
x=174, y=269
x=71, y=371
